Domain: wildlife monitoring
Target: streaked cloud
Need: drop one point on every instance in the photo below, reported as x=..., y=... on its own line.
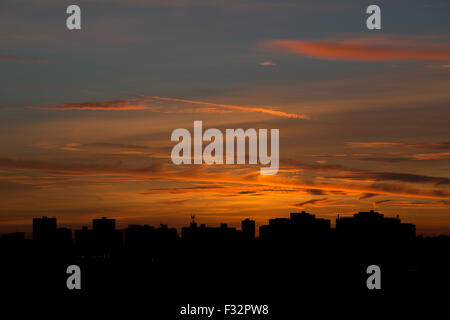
x=382, y=48
x=365, y=196
x=115, y=145
x=432, y=156
x=118, y=105
x=312, y=202
x=232, y=107
x=341, y=172
x=378, y=144
x=348, y=180
x=382, y=201
x=145, y=103
x=71, y=147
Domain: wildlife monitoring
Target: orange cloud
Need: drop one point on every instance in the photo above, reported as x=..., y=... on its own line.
x=376, y=144
x=371, y=49
x=232, y=107
x=349, y=181
x=141, y=104
x=432, y=156
x=108, y=105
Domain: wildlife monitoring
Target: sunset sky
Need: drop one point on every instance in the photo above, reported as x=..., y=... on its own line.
x=86, y=116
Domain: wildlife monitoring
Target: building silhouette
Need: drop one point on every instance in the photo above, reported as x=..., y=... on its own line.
x=373, y=226
x=210, y=234
x=138, y=236
x=84, y=237
x=248, y=229
x=44, y=229
x=104, y=225
x=105, y=237
x=13, y=236
x=300, y=226
x=64, y=236
x=166, y=234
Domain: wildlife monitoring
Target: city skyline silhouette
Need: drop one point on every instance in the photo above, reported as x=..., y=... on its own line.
x=208, y=265
x=51, y=223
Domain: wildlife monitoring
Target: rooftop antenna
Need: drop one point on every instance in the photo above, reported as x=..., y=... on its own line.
x=193, y=219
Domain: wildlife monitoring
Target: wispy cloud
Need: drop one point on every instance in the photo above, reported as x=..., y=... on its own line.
x=345, y=173
x=432, y=156
x=144, y=103
x=378, y=144
x=357, y=182
x=71, y=147
x=382, y=48
x=383, y=201
x=107, y=106
x=232, y=107
x=78, y=168
x=115, y=145
x=365, y=196
x=312, y=202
